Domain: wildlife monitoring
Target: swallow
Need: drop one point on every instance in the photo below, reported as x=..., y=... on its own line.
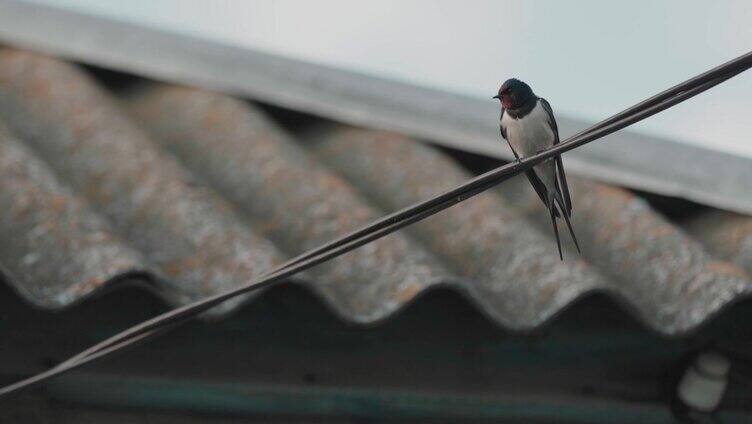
x=528, y=125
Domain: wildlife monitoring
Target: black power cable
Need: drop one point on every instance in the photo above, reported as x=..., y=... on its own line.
x=393, y=222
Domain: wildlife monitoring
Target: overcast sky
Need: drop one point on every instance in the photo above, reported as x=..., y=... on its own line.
x=588, y=58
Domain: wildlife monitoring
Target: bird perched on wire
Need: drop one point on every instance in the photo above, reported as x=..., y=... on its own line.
x=529, y=126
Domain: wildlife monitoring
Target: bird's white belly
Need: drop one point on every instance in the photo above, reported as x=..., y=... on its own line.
x=529, y=134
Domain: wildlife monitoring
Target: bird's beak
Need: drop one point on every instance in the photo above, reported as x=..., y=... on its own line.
x=496, y=97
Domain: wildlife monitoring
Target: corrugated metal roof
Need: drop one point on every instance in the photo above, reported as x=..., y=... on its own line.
x=197, y=192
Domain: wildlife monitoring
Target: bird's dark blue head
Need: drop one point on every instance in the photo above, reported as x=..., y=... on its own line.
x=514, y=93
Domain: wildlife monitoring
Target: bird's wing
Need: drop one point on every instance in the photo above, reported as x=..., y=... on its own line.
x=504, y=134
x=501, y=125
x=561, y=176
x=551, y=119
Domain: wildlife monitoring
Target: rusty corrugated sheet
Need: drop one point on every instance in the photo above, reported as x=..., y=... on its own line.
x=727, y=235
x=198, y=192
x=629, y=250
x=191, y=234
x=54, y=247
x=288, y=196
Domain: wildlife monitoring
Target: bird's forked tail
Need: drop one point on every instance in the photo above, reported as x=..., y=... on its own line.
x=554, y=202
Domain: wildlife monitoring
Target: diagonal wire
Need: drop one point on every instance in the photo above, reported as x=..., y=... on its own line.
x=393, y=222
